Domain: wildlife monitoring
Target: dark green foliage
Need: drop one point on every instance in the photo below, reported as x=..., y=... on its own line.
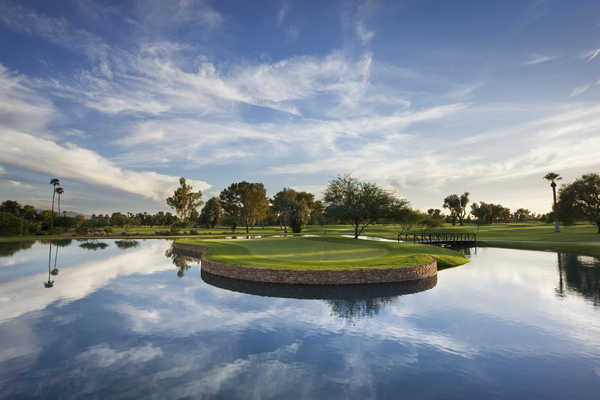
x=457, y=206
x=184, y=200
x=293, y=208
x=245, y=202
x=581, y=200
x=360, y=203
x=212, y=213
x=488, y=213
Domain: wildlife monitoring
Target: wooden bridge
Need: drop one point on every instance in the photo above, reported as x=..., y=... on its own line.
x=440, y=238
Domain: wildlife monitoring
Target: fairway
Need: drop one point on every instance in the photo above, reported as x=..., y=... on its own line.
x=323, y=253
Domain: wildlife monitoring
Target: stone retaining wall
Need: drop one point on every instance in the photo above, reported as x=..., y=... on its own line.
x=310, y=277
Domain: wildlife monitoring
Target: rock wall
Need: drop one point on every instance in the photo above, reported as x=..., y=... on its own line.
x=310, y=277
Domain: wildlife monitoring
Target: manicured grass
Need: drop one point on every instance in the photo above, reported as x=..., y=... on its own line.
x=323, y=253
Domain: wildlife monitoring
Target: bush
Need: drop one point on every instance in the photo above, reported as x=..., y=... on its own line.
x=194, y=232
x=10, y=224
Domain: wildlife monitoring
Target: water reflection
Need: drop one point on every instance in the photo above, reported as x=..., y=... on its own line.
x=126, y=244
x=9, y=249
x=579, y=275
x=350, y=302
x=120, y=324
x=181, y=260
x=93, y=244
x=50, y=282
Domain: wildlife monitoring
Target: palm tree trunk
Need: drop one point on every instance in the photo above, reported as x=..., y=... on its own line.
x=52, y=215
x=556, y=228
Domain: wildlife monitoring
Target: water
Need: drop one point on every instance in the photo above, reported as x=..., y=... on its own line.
x=128, y=321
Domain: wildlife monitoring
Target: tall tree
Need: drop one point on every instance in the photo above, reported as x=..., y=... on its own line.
x=211, y=213
x=581, y=199
x=54, y=182
x=184, y=200
x=245, y=201
x=457, y=206
x=553, y=177
x=359, y=203
x=293, y=208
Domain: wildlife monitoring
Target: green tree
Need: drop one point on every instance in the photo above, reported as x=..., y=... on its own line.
x=246, y=202
x=359, y=203
x=581, y=199
x=211, y=213
x=553, y=177
x=316, y=213
x=457, y=206
x=54, y=182
x=184, y=200
x=293, y=208
x=11, y=207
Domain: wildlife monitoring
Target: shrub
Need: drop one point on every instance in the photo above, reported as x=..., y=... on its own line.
x=10, y=224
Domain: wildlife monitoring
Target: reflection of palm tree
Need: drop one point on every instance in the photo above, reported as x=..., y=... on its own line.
x=553, y=177
x=55, y=270
x=50, y=282
x=54, y=182
x=560, y=291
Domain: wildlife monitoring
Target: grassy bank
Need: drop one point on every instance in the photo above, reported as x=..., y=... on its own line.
x=324, y=253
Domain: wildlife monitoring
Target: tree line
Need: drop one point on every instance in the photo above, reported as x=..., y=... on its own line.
x=346, y=200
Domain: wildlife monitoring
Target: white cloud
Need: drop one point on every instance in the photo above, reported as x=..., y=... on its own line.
x=283, y=12
x=591, y=54
x=535, y=59
x=80, y=164
x=363, y=33
x=20, y=106
x=580, y=90
x=103, y=356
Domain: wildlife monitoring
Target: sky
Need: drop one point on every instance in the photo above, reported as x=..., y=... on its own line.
x=425, y=98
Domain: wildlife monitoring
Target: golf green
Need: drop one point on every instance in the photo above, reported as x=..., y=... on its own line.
x=319, y=253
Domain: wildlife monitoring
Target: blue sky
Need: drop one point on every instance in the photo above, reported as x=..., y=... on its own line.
x=426, y=98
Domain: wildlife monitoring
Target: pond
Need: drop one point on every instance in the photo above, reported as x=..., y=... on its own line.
x=130, y=319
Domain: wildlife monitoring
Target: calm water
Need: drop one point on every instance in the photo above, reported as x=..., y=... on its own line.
x=126, y=321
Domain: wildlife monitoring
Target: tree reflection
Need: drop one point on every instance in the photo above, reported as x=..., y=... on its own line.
x=9, y=249
x=579, y=275
x=50, y=282
x=355, y=309
x=348, y=302
x=181, y=260
x=93, y=245
x=126, y=244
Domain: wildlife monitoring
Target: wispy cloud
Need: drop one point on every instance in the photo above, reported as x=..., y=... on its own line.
x=580, y=90
x=80, y=164
x=283, y=12
x=363, y=33
x=535, y=59
x=591, y=54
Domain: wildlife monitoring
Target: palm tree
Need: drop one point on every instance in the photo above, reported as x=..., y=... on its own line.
x=553, y=177
x=54, y=182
